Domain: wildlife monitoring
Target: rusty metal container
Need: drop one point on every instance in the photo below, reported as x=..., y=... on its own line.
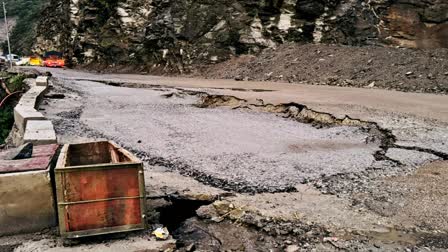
x=100, y=190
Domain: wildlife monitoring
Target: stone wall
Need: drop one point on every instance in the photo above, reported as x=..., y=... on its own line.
x=173, y=35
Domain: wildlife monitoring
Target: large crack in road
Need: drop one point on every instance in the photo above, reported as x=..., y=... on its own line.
x=275, y=155
x=240, y=146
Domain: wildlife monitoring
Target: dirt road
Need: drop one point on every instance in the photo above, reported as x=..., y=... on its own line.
x=327, y=169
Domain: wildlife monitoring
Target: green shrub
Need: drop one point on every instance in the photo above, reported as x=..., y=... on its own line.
x=16, y=83
x=6, y=122
x=23, y=34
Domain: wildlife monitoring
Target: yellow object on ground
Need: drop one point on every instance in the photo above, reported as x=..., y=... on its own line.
x=36, y=61
x=161, y=233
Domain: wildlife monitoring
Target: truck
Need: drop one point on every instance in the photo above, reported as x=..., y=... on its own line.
x=53, y=59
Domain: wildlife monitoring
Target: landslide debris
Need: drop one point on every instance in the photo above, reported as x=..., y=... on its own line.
x=366, y=67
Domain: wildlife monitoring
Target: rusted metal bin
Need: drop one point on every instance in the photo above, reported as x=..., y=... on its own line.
x=100, y=190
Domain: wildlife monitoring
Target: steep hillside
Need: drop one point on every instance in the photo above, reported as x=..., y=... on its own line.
x=173, y=35
x=26, y=14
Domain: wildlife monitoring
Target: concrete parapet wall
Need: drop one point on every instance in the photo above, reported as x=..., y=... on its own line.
x=42, y=81
x=39, y=132
x=26, y=202
x=25, y=113
x=31, y=124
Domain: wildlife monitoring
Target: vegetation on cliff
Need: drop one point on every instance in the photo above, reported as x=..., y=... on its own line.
x=27, y=13
x=15, y=83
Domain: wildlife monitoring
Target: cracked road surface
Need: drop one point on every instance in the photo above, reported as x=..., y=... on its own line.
x=251, y=146
x=240, y=150
x=232, y=149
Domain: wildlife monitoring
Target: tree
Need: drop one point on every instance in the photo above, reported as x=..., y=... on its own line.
x=27, y=13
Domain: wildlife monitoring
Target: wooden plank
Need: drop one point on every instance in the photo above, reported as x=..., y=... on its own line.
x=100, y=184
x=103, y=214
x=45, y=150
x=113, y=154
x=126, y=153
x=62, y=159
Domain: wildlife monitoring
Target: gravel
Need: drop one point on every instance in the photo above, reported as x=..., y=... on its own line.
x=407, y=70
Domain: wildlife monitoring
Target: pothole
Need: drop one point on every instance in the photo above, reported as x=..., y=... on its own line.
x=178, y=210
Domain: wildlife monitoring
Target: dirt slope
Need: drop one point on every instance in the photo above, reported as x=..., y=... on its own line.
x=400, y=69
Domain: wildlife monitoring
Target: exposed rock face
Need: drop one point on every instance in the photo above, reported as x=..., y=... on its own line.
x=174, y=34
x=422, y=24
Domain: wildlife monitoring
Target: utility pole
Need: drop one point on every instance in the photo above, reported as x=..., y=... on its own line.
x=7, y=36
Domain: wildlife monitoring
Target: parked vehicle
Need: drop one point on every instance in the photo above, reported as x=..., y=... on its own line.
x=13, y=57
x=24, y=61
x=53, y=59
x=36, y=60
x=10, y=57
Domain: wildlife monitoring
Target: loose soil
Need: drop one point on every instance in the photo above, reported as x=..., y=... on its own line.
x=400, y=69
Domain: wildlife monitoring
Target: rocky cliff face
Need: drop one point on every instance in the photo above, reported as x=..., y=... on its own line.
x=174, y=34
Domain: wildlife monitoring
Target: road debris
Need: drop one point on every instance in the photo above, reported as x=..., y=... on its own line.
x=161, y=233
x=22, y=152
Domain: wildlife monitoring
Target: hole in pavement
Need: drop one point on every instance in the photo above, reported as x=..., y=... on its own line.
x=54, y=96
x=173, y=215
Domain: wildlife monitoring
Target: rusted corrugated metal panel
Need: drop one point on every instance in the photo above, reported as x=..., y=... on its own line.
x=96, y=197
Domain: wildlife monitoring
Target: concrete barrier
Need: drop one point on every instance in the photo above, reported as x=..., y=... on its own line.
x=26, y=198
x=23, y=114
x=26, y=194
x=39, y=132
x=42, y=81
x=26, y=202
x=31, y=124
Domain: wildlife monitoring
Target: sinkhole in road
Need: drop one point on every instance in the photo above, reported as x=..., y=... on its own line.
x=178, y=210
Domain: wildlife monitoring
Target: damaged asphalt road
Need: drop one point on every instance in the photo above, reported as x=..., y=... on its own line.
x=230, y=149
x=233, y=149
x=295, y=162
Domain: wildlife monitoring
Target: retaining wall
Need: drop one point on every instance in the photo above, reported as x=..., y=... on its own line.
x=31, y=124
x=26, y=198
